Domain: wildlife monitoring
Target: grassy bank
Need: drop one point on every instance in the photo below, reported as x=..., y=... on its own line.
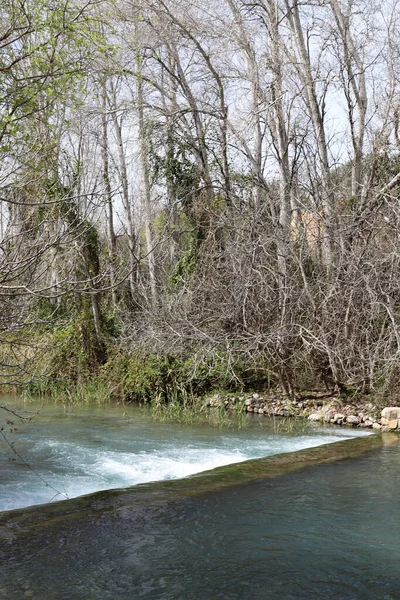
x=187, y=386
x=174, y=387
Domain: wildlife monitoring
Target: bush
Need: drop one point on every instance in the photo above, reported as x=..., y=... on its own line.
x=142, y=377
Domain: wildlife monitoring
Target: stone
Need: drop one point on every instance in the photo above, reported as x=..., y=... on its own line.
x=376, y=426
x=353, y=420
x=338, y=418
x=256, y=396
x=391, y=439
x=248, y=401
x=328, y=417
x=315, y=417
x=391, y=423
x=391, y=412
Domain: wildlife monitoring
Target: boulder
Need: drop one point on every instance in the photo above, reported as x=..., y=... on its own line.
x=389, y=423
x=353, y=420
x=338, y=418
x=391, y=412
x=328, y=417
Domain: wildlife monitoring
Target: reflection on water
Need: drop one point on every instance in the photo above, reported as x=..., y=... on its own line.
x=329, y=531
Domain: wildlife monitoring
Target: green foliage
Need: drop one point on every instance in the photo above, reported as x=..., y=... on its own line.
x=140, y=377
x=45, y=311
x=111, y=327
x=179, y=171
x=177, y=378
x=91, y=392
x=185, y=268
x=386, y=166
x=75, y=354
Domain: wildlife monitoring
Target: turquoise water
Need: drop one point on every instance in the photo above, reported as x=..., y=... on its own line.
x=68, y=451
x=327, y=531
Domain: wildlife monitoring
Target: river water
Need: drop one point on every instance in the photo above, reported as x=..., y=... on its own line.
x=324, y=531
x=68, y=451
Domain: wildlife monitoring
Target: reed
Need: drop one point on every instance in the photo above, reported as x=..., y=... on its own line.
x=181, y=408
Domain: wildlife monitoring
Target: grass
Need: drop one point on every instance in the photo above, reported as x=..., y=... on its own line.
x=292, y=425
x=80, y=393
x=189, y=411
x=180, y=408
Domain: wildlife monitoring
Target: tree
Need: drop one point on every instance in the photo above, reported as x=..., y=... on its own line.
x=45, y=49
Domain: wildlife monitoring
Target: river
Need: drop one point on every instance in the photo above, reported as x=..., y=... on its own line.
x=311, y=527
x=67, y=451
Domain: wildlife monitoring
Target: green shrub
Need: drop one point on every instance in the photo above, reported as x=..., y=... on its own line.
x=143, y=377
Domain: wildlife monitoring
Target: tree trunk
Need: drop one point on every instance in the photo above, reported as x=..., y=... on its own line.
x=112, y=246
x=146, y=191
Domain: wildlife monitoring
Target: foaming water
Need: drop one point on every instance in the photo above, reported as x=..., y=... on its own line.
x=71, y=451
x=327, y=532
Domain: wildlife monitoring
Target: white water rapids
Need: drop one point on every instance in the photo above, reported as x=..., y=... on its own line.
x=66, y=452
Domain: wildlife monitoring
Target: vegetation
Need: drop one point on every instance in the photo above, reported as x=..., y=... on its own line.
x=195, y=200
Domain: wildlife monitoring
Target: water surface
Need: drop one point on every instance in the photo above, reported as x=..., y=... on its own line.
x=326, y=531
x=67, y=451
x=285, y=527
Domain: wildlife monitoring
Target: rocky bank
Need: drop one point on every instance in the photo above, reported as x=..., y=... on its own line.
x=318, y=408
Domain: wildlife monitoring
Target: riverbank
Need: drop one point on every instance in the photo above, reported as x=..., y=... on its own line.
x=183, y=387
x=218, y=408
x=315, y=407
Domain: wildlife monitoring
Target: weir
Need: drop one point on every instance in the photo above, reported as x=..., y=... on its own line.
x=17, y=523
x=294, y=525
